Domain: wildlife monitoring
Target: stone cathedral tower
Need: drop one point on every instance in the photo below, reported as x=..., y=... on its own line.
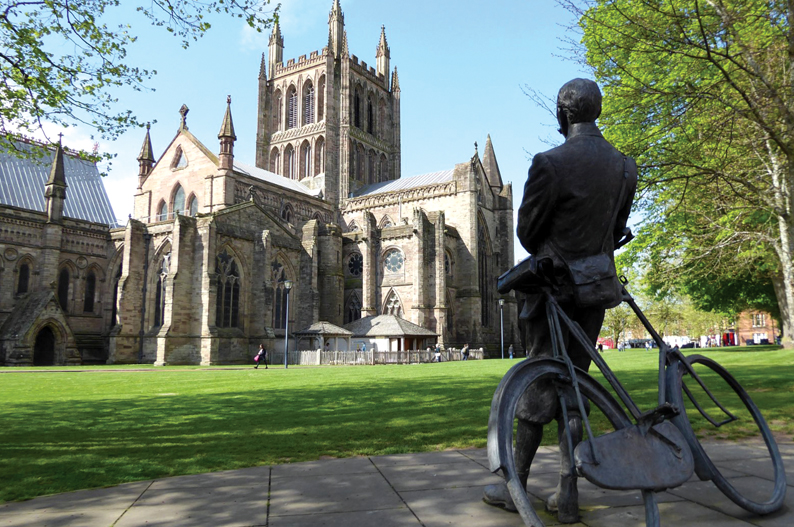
x=329, y=120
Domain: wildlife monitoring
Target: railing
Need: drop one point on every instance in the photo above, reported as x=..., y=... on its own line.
x=317, y=358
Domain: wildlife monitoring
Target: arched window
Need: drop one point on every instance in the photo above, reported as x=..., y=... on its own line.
x=292, y=109
x=63, y=289
x=159, y=293
x=23, y=279
x=306, y=160
x=381, y=119
x=321, y=98
x=278, y=108
x=483, y=256
x=115, y=309
x=319, y=164
x=162, y=212
x=289, y=155
x=361, y=163
x=356, y=110
x=447, y=264
x=392, y=305
x=179, y=160
x=279, y=295
x=192, y=205
x=179, y=201
x=370, y=117
x=384, y=169
x=386, y=222
x=308, y=104
x=286, y=213
x=371, y=167
x=275, y=158
x=355, y=265
x=227, y=301
x=393, y=261
x=90, y=291
x=353, y=226
x=352, y=309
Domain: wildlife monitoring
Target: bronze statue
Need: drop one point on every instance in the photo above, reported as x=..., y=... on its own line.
x=576, y=203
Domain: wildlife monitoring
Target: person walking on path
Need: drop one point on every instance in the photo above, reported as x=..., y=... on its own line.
x=261, y=357
x=510, y=350
x=465, y=352
x=438, y=353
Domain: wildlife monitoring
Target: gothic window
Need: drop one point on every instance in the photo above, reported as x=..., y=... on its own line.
x=63, y=289
x=278, y=107
x=320, y=163
x=320, y=98
x=355, y=265
x=306, y=160
x=114, y=309
x=447, y=264
x=393, y=306
x=274, y=161
x=179, y=201
x=227, y=300
x=486, y=293
x=286, y=213
x=90, y=291
x=279, y=295
x=386, y=222
x=159, y=292
x=193, y=206
x=382, y=119
x=162, y=212
x=361, y=164
x=308, y=105
x=371, y=167
x=393, y=261
x=23, y=279
x=179, y=160
x=384, y=169
x=356, y=112
x=292, y=110
x=289, y=155
x=352, y=309
x=352, y=227
x=370, y=117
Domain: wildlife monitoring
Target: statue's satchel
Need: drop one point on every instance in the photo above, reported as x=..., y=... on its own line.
x=628, y=459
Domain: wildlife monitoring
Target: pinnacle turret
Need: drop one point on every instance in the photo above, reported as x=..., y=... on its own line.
x=227, y=138
x=55, y=189
x=57, y=174
x=262, y=69
x=395, y=81
x=227, y=126
x=145, y=158
x=382, y=54
x=336, y=29
x=275, y=49
x=490, y=165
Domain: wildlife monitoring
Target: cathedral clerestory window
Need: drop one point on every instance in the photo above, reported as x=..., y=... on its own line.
x=393, y=261
x=159, y=293
x=355, y=265
x=292, y=110
x=227, y=300
x=308, y=105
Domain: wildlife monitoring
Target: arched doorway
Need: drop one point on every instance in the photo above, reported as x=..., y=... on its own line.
x=44, y=349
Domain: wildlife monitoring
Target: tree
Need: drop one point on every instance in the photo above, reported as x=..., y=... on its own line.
x=60, y=62
x=616, y=321
x=700, y=93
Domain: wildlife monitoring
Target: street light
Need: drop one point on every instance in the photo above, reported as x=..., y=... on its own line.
x=502, y=324
x=287, y=286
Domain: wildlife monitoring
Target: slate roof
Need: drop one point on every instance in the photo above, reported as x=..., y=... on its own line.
x=387, y=326
x=421, y=180
x=325, y=328
x=275, y=179
x=22, y=183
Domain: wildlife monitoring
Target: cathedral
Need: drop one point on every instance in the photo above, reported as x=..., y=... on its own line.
x=220, y=255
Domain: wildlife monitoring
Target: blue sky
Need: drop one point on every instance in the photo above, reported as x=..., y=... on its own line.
x=462, y=66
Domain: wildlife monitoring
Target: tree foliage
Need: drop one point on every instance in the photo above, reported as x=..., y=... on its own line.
x=60, y=61
x=700, y=93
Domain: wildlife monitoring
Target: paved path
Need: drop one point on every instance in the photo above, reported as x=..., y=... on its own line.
x=432, y=489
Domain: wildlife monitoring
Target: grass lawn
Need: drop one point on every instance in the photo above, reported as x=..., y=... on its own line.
x=62, y=431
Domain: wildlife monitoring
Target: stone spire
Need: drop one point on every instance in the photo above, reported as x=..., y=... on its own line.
x=275, y=49
x=490, y=165
x=55, y=188
x=336, y=29
x=395, y=81
x=227, y=138
x=382, y=54
x=145, y=158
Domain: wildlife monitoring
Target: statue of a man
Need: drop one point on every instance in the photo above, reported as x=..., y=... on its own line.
x=576, y=203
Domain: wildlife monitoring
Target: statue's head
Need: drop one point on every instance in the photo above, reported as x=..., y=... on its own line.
x=579, y=101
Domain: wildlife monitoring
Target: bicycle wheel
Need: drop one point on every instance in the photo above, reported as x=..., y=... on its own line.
x=743, y=420
x=503, y=409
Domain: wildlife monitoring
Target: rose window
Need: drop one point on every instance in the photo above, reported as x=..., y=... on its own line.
x=394, y=261
x=355, y=264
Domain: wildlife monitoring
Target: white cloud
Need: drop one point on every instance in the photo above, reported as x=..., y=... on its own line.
x=251, y=40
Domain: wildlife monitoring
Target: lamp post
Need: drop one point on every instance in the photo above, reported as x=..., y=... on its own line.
x=287, y=286
x=502, y=324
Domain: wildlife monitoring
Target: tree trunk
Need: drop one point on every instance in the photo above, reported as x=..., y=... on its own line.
x=785, y=313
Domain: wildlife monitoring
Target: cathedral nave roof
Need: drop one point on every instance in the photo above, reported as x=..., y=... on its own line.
x=421, y=180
